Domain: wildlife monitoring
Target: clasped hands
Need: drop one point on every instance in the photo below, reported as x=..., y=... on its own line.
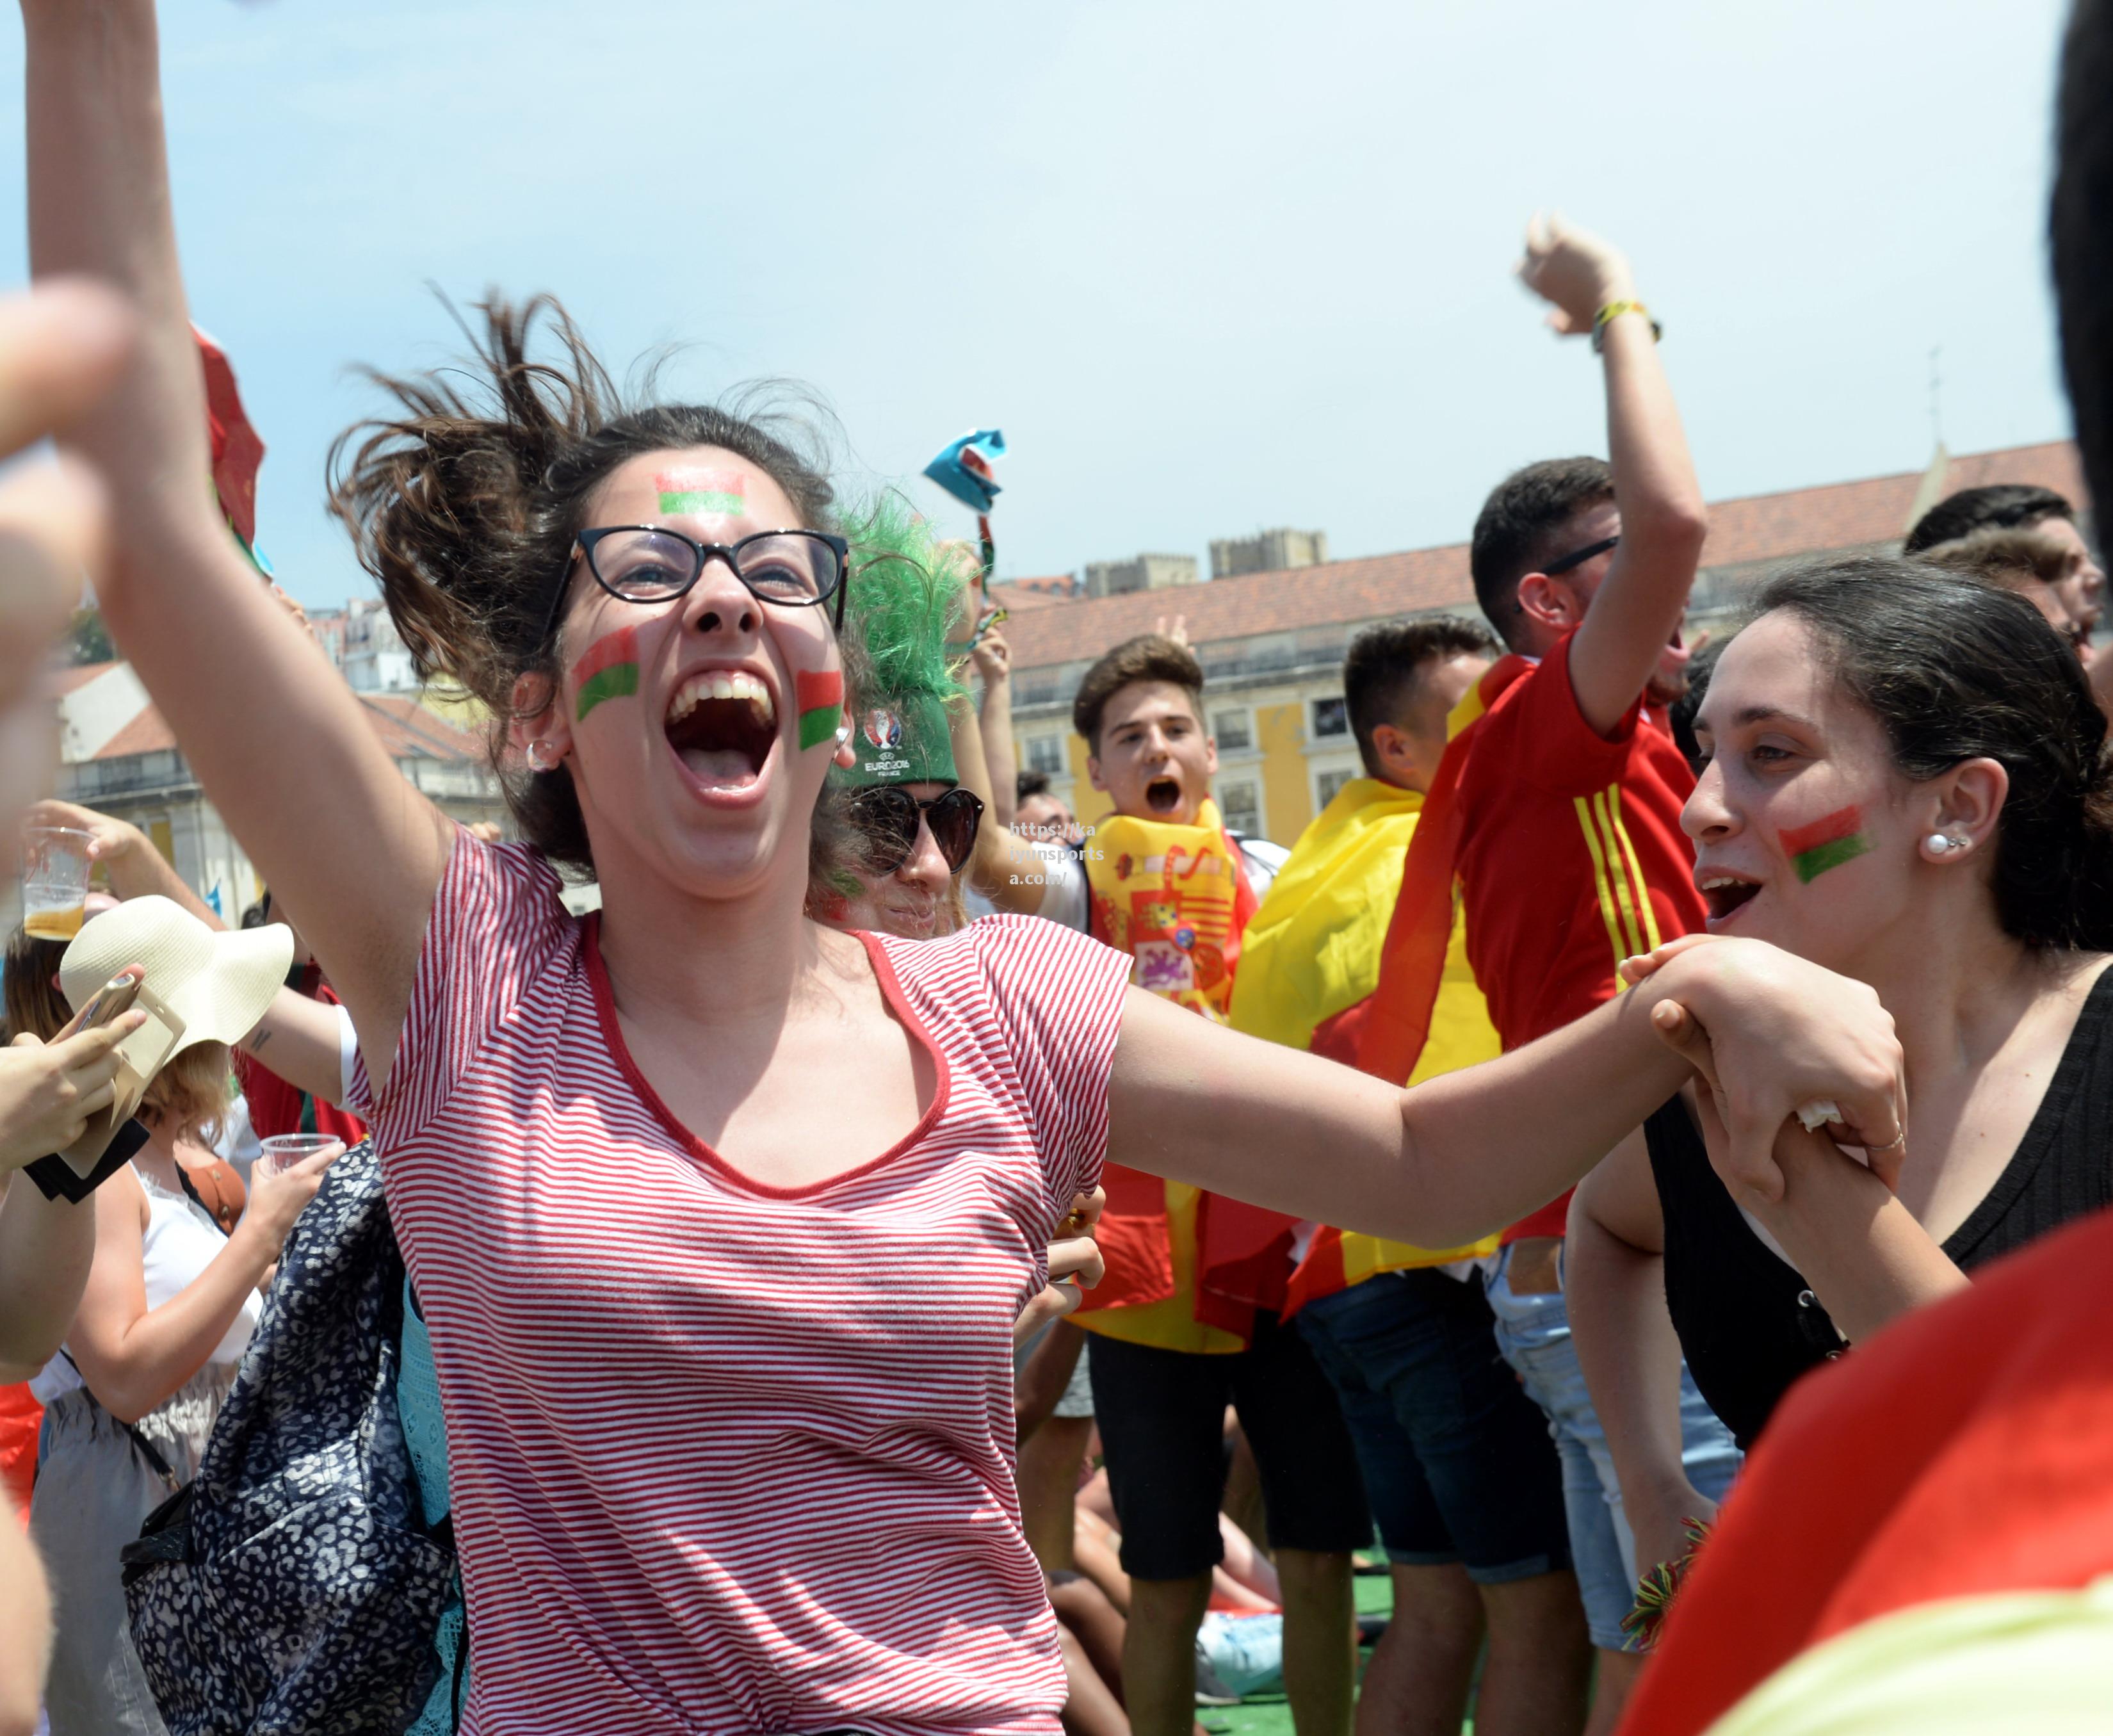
x=1838, y=1065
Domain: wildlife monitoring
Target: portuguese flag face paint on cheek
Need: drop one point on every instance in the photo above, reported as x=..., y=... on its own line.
x=1828, y=843
x=607, y=669
x=720, y=493
x=821, y=702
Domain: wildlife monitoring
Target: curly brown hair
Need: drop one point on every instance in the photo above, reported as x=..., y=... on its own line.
x=465, y=504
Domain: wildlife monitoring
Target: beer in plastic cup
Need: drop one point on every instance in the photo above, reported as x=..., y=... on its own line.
x=55, y=864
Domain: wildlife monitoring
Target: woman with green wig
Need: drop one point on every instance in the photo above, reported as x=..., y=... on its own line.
x=899, y=822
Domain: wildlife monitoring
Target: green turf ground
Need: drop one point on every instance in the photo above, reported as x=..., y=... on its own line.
x=1267, y=1714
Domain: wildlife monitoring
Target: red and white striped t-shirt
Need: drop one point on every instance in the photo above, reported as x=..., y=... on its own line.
x=724, y=1458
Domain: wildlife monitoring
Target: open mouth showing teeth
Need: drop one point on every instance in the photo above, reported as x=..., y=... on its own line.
x=1724, y=894
x=722, y=723
x=1163, y=795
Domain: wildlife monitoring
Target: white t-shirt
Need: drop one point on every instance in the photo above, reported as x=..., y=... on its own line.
x=181, y=1242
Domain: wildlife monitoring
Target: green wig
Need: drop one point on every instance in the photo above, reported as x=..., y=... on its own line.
x=905, y=597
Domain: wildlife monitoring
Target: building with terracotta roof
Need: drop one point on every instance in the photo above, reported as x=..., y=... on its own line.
x=1272, y=644
x=118, y=756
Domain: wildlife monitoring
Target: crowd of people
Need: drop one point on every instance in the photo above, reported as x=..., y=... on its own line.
x=918, y=1259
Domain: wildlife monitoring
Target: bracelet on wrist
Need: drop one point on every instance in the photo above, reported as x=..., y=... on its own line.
x=1613, y=310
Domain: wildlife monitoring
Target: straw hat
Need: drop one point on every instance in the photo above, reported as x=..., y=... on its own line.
x=219, y=984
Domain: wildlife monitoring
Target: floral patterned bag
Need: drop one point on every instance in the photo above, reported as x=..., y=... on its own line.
x=293, y=1587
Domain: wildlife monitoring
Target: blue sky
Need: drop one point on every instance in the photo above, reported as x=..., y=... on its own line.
x=1210, y=267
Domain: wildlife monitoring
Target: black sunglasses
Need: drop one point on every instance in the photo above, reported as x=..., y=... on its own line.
x=650, y=563
x=888, y=817
x=1578, y=557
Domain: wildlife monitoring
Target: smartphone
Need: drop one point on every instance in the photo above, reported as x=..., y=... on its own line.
x=113, y=1000
x=140, y=1057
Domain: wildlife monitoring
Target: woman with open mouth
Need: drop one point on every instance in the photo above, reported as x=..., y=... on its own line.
x=719, y=1217
x=1906, y=783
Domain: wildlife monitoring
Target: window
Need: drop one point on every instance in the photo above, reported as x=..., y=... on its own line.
x=1234, y=729
x=1045, y=753
x=1239, y=801
x=1331, y=717
x=1329, y=784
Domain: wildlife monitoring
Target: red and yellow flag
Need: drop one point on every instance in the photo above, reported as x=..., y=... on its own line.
x=1311, y=963
x=1186, y=1269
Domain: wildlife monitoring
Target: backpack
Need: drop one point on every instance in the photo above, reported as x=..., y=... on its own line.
x=294, y=1587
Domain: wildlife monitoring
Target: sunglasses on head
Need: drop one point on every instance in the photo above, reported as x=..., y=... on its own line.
x=1578, y=557
x=887, y=817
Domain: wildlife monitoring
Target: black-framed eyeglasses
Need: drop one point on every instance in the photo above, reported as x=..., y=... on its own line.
x=887, y=816
x=650, y=563
x=1578, y=557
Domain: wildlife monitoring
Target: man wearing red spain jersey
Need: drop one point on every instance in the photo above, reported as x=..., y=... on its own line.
x=1564, y=835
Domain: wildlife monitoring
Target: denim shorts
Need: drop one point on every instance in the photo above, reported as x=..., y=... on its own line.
x=1162, y=1415
x=1457, y=1462
x=1533, y=1331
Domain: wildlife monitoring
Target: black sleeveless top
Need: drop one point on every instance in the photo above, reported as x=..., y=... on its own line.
x=1748, y=1324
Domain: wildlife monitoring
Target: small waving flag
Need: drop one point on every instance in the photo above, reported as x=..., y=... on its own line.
x=238, y=452
x=964, y=469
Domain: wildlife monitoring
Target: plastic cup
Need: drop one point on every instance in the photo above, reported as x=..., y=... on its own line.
x=55, y=866
x=282, y=1151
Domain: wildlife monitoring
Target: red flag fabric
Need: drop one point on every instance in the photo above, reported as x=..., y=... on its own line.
x=1965, y=1451
x=237, y=451
x=1397, y=1021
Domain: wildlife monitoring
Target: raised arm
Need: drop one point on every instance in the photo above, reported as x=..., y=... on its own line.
x=993, y=657
x=1191, y=1100
x=1005, y=868
x=1638, y=606
x=260, y=714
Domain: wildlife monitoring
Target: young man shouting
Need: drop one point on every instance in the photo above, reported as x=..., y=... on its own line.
x=1187, y=1318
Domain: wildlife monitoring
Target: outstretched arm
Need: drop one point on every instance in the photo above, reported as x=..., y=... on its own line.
x=1462, y=1155
x=260, y=714
x=1638, y=607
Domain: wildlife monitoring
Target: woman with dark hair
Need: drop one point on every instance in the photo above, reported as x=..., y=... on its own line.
x=720, y=1219
x=1905, y=780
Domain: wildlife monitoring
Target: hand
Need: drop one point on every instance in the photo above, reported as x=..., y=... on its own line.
x=115, y=839
x=1575, y=270
x=1657, y=1522
x=1073, y=1255
x=277, y=1201
x=1771, y=1034
x=48, y=1090
x=295, y=613
x=61, y=349
x=1178, y=632
x=991, y=655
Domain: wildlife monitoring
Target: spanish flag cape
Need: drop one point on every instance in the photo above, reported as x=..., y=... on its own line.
x=1309, y=964
x=1965, y=1454
x=1186, y=1269
x=1425, y=929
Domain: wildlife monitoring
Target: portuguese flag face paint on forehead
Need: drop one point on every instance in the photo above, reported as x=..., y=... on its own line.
x=1828, y=843
x=820, y=698
x=607, y=669
x=719, y=493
